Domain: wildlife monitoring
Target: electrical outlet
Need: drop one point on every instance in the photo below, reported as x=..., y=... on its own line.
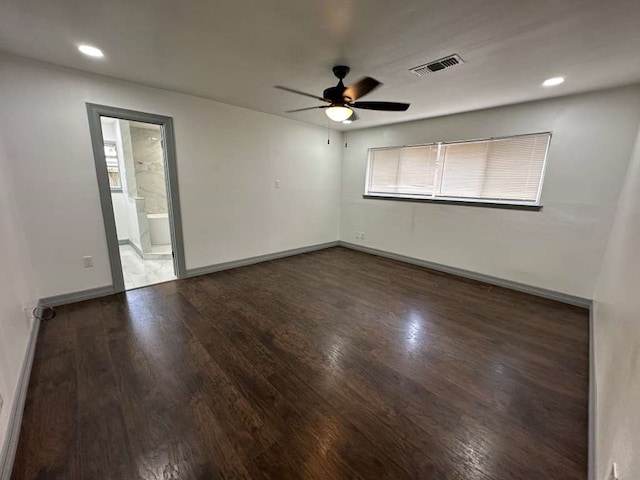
x=361, y=235
x=277, y=183
x=87, y=261
x=357, y=235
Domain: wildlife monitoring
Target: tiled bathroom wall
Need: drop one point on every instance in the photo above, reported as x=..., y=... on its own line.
x=149, y=167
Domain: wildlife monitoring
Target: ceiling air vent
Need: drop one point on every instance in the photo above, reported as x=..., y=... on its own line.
x=431, y=67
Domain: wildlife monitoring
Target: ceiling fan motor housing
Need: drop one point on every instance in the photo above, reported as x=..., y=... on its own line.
x=334, y=94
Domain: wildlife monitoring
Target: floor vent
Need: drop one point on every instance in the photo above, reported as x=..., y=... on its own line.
x=431, y=67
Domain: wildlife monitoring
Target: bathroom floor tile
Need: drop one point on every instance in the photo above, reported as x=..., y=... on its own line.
x=139, y=273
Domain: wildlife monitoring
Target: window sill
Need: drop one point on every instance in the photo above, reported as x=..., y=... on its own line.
x=116, y=190
x=466, y=203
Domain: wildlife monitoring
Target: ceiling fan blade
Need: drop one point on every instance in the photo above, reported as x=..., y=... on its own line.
x=308, y=108
x=386, y=106
x=287, y=89
x=360, y=88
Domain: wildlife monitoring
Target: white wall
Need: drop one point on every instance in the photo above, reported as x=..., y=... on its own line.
x=118, y=199
x=617, y=337
x=120, y=203
x=16, y=293
x=228, y=159
x=109, y=131
x=559, y=248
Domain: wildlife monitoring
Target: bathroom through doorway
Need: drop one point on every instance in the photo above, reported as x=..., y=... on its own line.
x=134, y=164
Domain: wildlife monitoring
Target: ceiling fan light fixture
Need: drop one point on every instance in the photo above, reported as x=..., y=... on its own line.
x=338, y=113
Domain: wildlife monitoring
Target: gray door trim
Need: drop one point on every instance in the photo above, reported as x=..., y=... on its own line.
x=94, y=113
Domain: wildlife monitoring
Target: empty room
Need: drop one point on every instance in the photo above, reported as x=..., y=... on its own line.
x=320, y=240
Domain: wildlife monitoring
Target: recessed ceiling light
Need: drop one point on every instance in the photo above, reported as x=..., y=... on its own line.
x=552, y=82
x=91, y=51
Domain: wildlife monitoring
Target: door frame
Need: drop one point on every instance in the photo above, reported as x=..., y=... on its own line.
x=94, y=112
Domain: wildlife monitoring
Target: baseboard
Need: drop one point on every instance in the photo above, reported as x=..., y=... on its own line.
x=66, y=298
x=137, y=250
x=500, y=282
x=7, y=456
x=128, y=242
x=146, y=256
x=194, y=272
x=540, y=292
x=592, y=397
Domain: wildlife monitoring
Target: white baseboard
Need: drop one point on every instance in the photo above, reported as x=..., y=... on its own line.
x=7, y=456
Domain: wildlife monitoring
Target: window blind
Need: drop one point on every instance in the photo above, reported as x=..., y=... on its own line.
x=505, y=169
x=408, y=170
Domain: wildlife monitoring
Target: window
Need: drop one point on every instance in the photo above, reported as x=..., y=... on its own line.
x=501, y=170
x=113, y=168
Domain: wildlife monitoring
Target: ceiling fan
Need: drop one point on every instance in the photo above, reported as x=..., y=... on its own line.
x=342, y=100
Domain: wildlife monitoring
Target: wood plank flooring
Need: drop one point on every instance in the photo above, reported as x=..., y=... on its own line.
x=329, y=365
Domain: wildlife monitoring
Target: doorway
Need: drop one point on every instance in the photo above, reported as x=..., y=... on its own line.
x=134, y=155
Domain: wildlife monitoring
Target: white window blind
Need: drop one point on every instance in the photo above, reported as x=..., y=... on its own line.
x=404, y=170
x=504, y=170
x=113, y=168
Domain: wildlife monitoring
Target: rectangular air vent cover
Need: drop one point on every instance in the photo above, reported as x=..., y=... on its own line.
x=441, y=64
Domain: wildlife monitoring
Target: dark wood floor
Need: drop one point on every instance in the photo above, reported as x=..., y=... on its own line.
x=329, y=365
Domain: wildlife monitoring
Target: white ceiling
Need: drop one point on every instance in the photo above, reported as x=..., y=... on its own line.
x=235, y=51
